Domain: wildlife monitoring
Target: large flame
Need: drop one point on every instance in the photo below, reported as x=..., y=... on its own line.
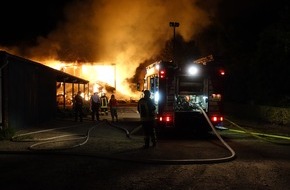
x=120, y=32
x=98, y=74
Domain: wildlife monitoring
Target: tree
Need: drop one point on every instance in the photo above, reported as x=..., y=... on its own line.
x=271, y=78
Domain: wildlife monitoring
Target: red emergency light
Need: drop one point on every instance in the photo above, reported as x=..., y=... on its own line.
x=222, y=72
x=165, y=118
x=217, y=119
x=162, y=74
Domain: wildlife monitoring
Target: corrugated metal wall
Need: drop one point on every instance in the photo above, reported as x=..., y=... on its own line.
x=31, y=93
x=28, y=91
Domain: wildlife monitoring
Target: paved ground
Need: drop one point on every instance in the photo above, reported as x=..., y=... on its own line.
x=123, y=140
x=90, y=155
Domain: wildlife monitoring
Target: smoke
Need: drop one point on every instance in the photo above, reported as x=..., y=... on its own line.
x=119, y=30
x=123, y=32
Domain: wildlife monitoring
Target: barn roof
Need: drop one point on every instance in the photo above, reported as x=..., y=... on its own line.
x=60, y=75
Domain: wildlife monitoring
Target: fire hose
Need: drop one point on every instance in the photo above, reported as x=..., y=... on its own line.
x=85, y=138
x=193, y=161
x=54, y=139
x=261, y=136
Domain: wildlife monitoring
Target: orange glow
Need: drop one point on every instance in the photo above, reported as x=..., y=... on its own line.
x=92, y=31
x=99, y=74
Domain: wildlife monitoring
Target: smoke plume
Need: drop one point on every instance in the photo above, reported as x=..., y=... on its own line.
x=123, y=32
x=119, y=30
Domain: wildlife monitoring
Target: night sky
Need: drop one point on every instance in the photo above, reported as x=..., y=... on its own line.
x=99, y=30
x=25, y=20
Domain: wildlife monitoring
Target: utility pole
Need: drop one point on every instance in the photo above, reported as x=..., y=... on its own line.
x=174, y=25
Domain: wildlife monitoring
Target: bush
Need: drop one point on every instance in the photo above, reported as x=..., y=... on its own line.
x=275, y=115
x=6, y=133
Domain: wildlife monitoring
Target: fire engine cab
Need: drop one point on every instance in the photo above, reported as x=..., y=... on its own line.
x=186, y=96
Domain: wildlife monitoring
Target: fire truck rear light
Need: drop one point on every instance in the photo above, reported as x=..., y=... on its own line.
x=217, y=118
x=162, y=74
x=216, y=97
x=222, y=72
x=165, y=118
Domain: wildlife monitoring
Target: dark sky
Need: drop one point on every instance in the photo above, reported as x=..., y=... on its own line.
x=23, y=20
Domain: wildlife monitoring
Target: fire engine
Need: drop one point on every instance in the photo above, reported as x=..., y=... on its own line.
x=186, y=96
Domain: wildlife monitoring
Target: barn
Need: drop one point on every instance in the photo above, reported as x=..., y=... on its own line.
x=28, y=91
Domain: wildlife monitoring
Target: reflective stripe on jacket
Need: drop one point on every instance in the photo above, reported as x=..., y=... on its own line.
x=104, y=102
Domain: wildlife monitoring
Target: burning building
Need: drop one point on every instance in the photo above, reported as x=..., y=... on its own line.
x=111, y=38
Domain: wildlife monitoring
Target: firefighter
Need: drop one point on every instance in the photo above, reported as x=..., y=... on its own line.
x=104, y=104
x=78, y=106
x=113, y=108
x=146, y=109
x=95, y=106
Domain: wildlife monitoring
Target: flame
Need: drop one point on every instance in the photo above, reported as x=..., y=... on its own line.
x=125, y=33
x=99, y=74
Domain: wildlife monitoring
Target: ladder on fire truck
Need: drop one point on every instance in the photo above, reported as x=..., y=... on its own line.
x=204, y=60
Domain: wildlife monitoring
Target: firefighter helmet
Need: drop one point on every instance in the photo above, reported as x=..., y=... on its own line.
x=147, y=93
